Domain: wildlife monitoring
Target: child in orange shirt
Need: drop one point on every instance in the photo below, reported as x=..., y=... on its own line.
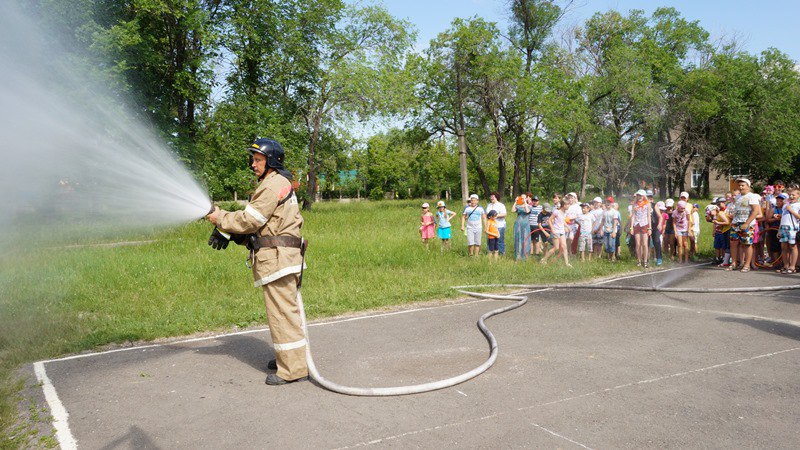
x=492, y=235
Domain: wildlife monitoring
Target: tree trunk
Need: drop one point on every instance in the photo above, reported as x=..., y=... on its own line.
x=481, y=174
x=682, y=174
x=311, y=191
x=501, y=175
x=567, y=170
x=520, y=161
x=531, y=156
x=584, y=172
x=705, y=191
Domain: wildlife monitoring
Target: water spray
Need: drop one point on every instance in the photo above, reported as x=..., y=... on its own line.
x=519, y=300
x=75, y=158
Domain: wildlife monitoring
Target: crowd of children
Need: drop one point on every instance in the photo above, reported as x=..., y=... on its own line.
x=751, y=231
x=754, y=231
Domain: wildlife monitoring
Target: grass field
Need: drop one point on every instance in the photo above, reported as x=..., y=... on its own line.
x=363, y=255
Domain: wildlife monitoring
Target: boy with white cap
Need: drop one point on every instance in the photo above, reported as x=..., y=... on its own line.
x=747, y=208
x=586, y=221
x=473, y=221
x=597, y=231
x=689, y=211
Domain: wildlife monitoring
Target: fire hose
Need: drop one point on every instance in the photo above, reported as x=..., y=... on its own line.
x=493, y=347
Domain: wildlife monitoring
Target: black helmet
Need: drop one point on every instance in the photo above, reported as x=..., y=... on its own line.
x=274, y=153
x=271, y=149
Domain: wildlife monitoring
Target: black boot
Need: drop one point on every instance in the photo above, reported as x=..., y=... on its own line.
x=274, y=380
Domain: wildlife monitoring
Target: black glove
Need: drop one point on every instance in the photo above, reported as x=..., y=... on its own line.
x=218, y=240
x=239, y=239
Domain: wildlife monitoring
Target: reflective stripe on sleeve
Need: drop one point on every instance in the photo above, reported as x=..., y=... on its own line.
x=279, y=274
x=290, y=345
x=256, y=215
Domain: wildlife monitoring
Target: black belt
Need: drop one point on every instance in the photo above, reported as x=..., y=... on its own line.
x=278, y=241
x=256, y=243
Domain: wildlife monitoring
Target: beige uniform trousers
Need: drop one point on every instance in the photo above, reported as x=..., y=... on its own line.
x=285, y=327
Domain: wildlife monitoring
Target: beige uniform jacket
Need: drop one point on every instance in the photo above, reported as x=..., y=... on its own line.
x=264, y=217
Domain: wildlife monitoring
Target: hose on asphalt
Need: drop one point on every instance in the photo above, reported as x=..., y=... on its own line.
x=519, y=300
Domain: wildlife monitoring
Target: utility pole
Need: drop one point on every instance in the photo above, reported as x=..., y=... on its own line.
x=462, y=157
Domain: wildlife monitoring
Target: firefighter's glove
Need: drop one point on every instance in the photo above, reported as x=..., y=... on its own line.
x=240, y=239
x=219, y=240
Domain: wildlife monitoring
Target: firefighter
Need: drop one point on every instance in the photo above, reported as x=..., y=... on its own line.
x=270, y=228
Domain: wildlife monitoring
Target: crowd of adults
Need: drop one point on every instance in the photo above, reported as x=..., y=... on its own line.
x=750, y=231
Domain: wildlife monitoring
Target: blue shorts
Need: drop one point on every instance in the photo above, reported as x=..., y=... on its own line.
x=491, y=244
x=722, y=241
x=443, y=233
x=788, y=234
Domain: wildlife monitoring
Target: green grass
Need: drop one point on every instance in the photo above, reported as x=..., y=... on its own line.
x=362, y=256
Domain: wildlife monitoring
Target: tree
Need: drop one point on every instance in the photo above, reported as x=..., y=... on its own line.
x=160, y=53
x=448, y=98
x=356, y=74
x=532, y=22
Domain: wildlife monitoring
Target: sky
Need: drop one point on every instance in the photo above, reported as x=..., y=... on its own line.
x=756, y=25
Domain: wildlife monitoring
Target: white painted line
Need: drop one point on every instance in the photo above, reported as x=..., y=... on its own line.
x=424, y=430
x=567, y=399
x=318, y=324
x=722, y=313
x=60, y=414
x=655, y=272
x=64, y=436
x=665, y=377
x=560, y=436
x=255, y=330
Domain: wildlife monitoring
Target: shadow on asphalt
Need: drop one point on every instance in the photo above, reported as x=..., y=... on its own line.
x=247, y=349
x=793, y=299
x=134, y=438
x=776, y=328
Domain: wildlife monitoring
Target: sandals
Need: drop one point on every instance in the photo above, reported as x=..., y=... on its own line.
x=730, y=268
x=745, y=270
x=787, y=271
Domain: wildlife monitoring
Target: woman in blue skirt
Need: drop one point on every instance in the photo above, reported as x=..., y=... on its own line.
x=522, y=242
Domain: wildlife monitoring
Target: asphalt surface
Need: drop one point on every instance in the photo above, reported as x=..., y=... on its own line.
x=576, y=369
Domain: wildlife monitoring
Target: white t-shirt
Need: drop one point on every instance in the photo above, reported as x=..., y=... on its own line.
x=598, y=220
x=501, y=209
x=572, y=214
x=787, y=219
x=586, y=222
x=608, y=220
x=695, y=222
x=743, y=204
x=473, y=215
